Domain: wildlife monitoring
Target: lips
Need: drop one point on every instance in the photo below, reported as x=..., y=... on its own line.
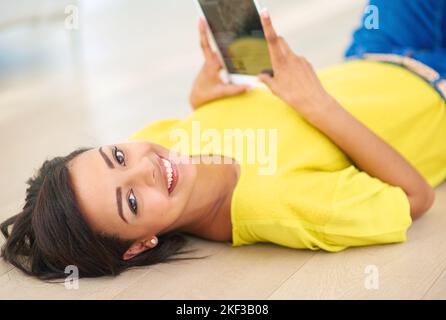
x=170, y=172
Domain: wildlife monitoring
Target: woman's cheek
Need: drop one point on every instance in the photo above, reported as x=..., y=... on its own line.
x=156, y=206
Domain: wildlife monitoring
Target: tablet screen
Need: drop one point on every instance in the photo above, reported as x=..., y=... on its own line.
x=238, y=33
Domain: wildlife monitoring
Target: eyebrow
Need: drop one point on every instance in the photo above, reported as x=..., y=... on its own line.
x=119, y=203
x=118, y=189
x=106, y=159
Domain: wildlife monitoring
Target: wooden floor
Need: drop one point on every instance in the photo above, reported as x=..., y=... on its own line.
x=133, y=62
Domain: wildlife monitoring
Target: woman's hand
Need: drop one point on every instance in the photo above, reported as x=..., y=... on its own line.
x=208, y=85
x=295, y=80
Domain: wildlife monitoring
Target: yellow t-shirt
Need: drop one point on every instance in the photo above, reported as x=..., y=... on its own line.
x=309, y=194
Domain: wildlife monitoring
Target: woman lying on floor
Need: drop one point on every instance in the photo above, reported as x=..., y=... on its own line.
x=357, y=150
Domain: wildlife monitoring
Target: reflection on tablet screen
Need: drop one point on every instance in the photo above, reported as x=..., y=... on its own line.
x=238, y=32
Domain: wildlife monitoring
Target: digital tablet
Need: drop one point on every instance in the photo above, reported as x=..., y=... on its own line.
x=238, y=38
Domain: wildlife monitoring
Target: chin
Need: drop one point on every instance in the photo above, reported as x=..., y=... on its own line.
x=187, y=176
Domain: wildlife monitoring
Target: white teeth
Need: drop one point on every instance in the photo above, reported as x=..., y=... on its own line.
x=169, y=171
x=166, y=163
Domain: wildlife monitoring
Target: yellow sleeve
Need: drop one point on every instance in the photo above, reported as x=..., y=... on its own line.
x=366, y=211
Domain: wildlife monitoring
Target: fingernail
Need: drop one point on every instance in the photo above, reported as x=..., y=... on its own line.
x=264, y=13
x=267, y=72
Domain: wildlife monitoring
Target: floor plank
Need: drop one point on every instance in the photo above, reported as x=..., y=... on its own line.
x=406, y=271
x=16, y=285
x=438, y=289
x=247, y=272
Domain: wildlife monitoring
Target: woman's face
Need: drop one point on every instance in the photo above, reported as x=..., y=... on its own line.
x=123, y=189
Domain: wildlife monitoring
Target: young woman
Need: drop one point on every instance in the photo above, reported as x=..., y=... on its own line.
x=359, y=148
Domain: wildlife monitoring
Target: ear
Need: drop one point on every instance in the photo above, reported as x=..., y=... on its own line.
x=137, y=248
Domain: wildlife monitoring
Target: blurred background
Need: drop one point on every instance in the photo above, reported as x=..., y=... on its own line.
x=124, y=65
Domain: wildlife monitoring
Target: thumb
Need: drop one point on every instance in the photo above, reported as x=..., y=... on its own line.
x=266, y=79
x=215, y=61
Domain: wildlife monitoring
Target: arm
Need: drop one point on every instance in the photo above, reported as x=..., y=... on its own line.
x=371, y=154
x=296, y=82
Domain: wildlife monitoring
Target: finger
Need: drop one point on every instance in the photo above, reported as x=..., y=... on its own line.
x=271, y=38
x=285, y=47
x=204, y=39
x=266, y=79
x=232, y=89
x=214, y=62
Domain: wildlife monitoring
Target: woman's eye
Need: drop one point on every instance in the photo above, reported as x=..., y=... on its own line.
x=119, y=156
x=132, y=203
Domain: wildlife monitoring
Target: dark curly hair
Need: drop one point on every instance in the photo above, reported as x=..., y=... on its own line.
x=50, y=233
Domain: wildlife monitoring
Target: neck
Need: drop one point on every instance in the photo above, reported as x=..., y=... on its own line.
x=211, y=194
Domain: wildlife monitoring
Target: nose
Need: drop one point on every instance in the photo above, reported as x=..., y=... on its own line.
x=142, y=173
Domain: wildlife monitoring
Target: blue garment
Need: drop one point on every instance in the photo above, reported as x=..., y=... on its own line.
x=414, y=28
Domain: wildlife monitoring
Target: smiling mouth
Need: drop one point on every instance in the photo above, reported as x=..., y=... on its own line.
x=170, y=172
